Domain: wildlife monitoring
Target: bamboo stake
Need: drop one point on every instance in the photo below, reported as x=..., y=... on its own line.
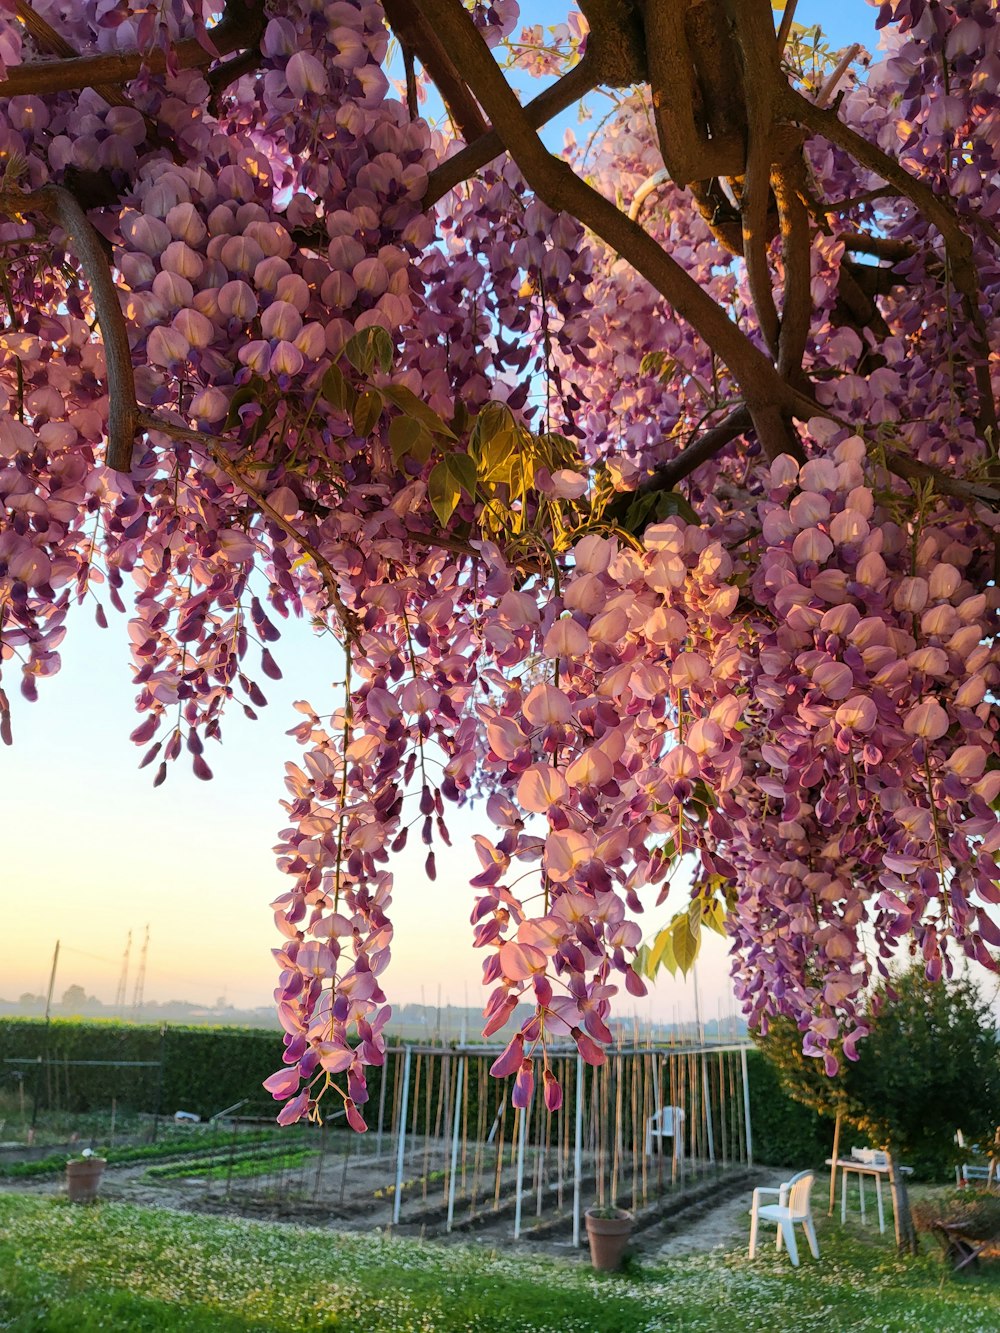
x=617, y=1131
x=465, y=1121
x=500, y=1133
x=477, y=1160
x=636, y=1168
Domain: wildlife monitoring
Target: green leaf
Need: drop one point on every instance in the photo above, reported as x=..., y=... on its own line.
x=336, y=390
x=685, y=943
x=661, y=953
x=443, y=491
x=371, y=347
x=408, y=402
x=713, y=915
x=367, y=411
x=248, y=393
x=408, y=439
x=640, y=963
x=448, y=479
x=671, y=503
x=493, y=419
x=496, y=458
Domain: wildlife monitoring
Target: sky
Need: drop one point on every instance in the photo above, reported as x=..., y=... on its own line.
x=91, y=851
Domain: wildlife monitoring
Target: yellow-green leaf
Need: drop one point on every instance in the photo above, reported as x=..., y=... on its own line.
x=367, y=411
x=713, y=915
x=408, y=439
x=369, y=348
x=336, y=390
x=408, y=402
x=493, y=419
x=685, y=944
x=496, y=457
x=448, y=479
x=661, y=954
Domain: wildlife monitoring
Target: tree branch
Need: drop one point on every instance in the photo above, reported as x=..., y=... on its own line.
x=241, y=26
x=766, y=394
x=688, y=152
x=911, y=469
x=579, y=81
x=422, y=38
x=214, y=446
x=884, y=247
x=59, y=206
x=700, y=450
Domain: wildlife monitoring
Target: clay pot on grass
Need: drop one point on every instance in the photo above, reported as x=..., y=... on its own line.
x=83, y=1178
x=608, y=1230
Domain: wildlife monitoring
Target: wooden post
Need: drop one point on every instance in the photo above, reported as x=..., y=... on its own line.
x=833, y=1168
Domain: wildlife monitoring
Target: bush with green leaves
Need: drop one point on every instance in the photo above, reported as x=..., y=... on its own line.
x=930, y=1066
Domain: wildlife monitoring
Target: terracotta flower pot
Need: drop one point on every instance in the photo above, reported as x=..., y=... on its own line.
x=83, y=1178
x=608, y=1237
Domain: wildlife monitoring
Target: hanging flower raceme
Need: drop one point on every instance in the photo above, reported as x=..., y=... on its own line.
x=871, y=767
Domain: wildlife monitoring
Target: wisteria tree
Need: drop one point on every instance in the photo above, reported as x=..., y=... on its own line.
x=651, y=490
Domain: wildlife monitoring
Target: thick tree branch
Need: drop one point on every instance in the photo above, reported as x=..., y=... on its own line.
x=796, y=252
x=884, y=247
x=241, y=27
x=754, y=31
x=49, y=40
x=579, y=81
x=689, y=152
x=59, y=206
x=766, y=394
x=419, y=36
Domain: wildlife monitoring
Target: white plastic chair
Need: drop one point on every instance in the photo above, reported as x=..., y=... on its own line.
x=793, y=1206
x=666, y=1123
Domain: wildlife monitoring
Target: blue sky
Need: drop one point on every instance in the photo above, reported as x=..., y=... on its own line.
x=91, y=851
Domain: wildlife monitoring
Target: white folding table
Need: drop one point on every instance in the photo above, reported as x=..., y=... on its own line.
x=879, y=1171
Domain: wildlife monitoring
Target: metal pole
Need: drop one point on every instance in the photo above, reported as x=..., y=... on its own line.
x=746, y=1103
x=708, y=1106
x=578, y=1152
x=398, y=1196
x=456, y=1126
x=521, y=1132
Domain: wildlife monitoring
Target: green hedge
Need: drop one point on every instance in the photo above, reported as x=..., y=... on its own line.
x=203, y=1070
x=785, y=1133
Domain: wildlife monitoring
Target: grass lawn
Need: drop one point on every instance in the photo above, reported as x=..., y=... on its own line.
x=70, y=1269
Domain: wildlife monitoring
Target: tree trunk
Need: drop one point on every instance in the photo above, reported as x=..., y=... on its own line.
x=906, y=1235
